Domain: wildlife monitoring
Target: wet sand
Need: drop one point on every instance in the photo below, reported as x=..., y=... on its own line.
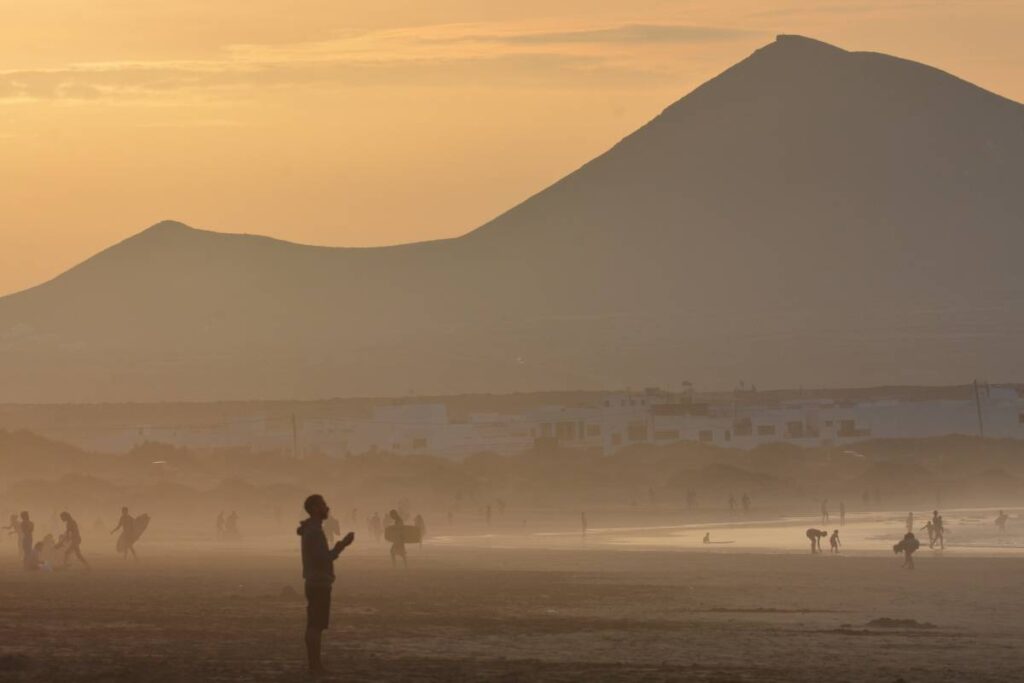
x=585, y=613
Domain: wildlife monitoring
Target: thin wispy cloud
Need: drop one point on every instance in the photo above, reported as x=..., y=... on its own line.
x=424, y=56
x=626, y=33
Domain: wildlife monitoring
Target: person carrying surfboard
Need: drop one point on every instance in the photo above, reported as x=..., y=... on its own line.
x=908, y=546
x=318, y=573
x=131, y=529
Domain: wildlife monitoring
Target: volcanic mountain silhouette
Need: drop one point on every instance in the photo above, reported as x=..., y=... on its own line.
x=810, y=217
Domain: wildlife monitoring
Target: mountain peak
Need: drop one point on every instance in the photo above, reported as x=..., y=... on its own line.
x=167, y=227
x=793, y=41
x=164, y=234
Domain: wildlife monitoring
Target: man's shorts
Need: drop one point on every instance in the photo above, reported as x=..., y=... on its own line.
x=318, y=606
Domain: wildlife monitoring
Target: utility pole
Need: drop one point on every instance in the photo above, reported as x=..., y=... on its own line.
x=977, y=404
x=295, y=438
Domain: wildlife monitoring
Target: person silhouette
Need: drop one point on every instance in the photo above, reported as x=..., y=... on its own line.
x=908, y=546
x=318, y=573
x=824, y=511
x=231, y=526
x=26, y=529
x=72, y=538
x=940, y=529
x=833, y=542
x=126, y=541
x=421, y=525
x=929, y=526
x=815, y=536
x=1001, y=522
x=398, y=539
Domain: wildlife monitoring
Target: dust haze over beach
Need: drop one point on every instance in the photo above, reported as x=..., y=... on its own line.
x=520, y=591
x=738, y=399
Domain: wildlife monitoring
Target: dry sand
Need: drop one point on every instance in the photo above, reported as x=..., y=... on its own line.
x=222, y=613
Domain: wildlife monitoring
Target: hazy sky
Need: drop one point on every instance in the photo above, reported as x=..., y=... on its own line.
x=344, y=123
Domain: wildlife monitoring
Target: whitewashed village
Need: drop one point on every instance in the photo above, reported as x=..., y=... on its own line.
x=605, y=423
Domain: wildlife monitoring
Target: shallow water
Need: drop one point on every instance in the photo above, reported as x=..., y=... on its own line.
x=968, y=530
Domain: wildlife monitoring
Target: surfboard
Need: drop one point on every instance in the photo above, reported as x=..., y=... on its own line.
x=140, y=525
x=409, y=534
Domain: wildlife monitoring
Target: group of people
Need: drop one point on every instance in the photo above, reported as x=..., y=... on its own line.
x=815, y=536
x=826, y=517
x=744, y=501
x=935, y=527
x=908, y=545
x=391, y=528
x=45, y=554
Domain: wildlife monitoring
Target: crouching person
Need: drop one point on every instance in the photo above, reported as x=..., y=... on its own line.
x=318, y=572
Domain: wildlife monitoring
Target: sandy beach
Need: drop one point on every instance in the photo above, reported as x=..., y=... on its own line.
x=564, y=609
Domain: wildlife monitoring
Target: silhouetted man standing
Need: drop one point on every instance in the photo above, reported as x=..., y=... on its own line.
x=318, y=571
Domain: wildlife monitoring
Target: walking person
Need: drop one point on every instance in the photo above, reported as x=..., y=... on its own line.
x=908, y=546
x=1001, y=522
x=940, y=530
x=72, y=538
x=930, y=528
x=318, y=574
x=421, y=526
x=26, y=527
x=398, y=539
x=126, y=541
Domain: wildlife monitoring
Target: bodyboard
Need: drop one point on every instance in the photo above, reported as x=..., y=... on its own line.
x=402, y=534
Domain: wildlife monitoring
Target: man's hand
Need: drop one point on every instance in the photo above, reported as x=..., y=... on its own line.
x=346, y=542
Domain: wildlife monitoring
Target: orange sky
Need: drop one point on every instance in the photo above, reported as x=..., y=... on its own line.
x=343, y=123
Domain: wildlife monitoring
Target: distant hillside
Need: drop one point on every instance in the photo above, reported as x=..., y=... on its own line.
x=810, y=217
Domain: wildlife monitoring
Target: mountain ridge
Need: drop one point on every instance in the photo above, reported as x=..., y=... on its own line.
x=811, y=215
